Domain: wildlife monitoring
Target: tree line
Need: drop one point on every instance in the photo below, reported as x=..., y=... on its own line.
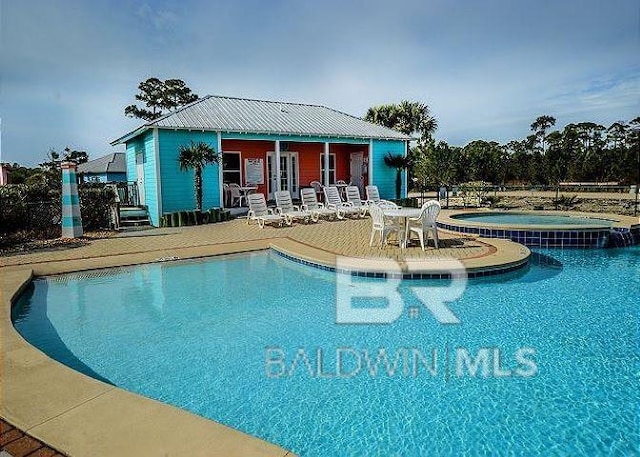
x=579, y=152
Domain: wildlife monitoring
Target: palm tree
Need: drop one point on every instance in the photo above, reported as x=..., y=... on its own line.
x=399, y=162
x=196, y=156
x=406, y=117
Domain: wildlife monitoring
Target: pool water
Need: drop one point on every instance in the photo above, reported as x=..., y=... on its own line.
x=213, y=336
x=532, y=219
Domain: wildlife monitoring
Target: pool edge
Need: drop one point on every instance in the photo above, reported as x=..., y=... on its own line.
x=72, y=412
x=79, y=415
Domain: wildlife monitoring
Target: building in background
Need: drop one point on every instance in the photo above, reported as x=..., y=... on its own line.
x=268, y=144
x=109, y=168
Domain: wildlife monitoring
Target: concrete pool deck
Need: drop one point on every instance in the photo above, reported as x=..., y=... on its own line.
x=79, y=415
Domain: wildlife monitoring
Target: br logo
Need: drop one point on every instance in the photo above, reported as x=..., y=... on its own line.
x=434, y=295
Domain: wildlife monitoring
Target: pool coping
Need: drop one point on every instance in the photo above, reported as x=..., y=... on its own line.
x=593, y=235
x=626, y=222
x=79, y=415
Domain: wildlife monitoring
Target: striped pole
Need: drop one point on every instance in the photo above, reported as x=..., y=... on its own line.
x=71, y=219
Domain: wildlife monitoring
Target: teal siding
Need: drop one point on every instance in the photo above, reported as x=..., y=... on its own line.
x=178, y=192
x=383, y=176
x=312, y=139
x=131, y=160
x=144, y=144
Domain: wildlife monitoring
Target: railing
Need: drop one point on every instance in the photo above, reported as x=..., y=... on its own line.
x=127, y=192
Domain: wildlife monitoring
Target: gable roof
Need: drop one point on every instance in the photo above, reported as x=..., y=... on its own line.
x=111, y=163
x=243, y=115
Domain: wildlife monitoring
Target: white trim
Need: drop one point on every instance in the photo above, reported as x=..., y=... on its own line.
x=370, y=155
x=322, y=165
x=220, y=175
x=405, y=172
x=241, y=165
x=278, y=171
x=325, y=178
x=290, y=182
x=156, y=148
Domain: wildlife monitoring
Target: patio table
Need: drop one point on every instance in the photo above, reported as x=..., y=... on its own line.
x=405, y=214
x=246, y=190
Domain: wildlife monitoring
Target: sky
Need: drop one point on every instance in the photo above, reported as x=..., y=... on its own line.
x=486, y=69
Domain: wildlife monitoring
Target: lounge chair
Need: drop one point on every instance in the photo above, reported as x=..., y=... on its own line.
x=286, y=208
x=373, y=196
x=383, y=225
x=259, y=212
x=424, y=223
x=353, y=197
x=311, y=204
x=334, y=202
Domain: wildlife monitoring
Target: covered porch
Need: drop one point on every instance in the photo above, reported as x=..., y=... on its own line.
x=270, y=166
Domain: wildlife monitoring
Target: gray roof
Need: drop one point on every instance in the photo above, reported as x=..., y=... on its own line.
x=230, y=114
x=111, y=163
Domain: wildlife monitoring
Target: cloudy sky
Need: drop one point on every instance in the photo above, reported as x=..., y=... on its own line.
x=486, y=69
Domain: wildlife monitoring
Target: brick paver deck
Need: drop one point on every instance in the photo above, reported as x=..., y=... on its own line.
x=346, y=237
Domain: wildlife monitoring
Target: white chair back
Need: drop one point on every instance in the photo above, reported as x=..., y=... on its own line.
x=353, y=196
x=235, y=190
x=377, y=217
x=309, y=198
x=430, y=211
x=332, y=196
x=373, y=194
x=317, y=186
x=283, y=201
x=257, y=204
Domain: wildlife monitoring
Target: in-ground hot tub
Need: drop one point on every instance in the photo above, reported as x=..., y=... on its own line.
x=536, y=229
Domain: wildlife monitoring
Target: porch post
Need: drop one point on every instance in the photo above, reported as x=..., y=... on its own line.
x=220, y=174
x=370, y=165
x=325, y=178
x=278, y=183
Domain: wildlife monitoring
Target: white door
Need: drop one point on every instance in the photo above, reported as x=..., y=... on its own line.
x=356, y=161
x=289, y=173
x=140, y=177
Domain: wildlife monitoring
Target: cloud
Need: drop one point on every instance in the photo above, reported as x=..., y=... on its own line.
x=486, y=70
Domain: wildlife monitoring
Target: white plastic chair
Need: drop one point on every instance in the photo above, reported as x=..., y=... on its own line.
x=373, y=196
x=424, y=223
x=317, y=188
x=236, y=194
x=286, y=208
x=317, y=209
x=383, y=225
x=353, y=197
x=259, y=212
x=334, y=202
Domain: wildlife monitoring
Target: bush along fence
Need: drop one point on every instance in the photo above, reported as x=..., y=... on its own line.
x=184, y=218
x=33, y=212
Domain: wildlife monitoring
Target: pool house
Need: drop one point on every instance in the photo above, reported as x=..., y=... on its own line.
x=268, y=144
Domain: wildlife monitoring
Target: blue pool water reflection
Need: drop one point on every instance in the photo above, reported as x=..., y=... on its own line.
x=238, y=340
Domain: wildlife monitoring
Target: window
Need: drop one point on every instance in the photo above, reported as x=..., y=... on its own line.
x=332, y=168
x=231, y=168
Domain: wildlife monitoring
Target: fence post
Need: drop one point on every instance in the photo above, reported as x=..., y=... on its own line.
x=71, y=219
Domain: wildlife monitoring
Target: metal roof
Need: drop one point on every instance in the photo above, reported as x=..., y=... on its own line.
x=111, y=163
x=231, y=114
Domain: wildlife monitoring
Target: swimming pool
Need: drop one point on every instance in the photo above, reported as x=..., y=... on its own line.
x=529, y=219
x=543, y=230
x=200, y=335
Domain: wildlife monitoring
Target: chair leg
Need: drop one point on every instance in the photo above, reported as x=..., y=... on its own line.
x=373, y=234
x=435, y=236
x=421, y=235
